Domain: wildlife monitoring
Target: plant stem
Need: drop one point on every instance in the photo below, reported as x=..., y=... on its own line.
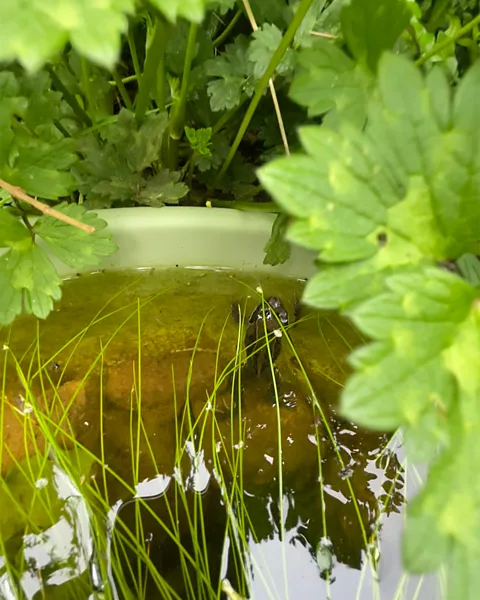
x=87, y=90
x=223, y=120
x=228, y=29
x=69, y=98
x=122, y=89
x=149, y=75
x=445, y=43
x=17, y=192
x=134, y=55
x=262, y=84
x=124, y=80
x=270, y=207
x=177, y=119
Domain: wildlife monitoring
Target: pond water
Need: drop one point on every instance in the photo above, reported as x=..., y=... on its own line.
x=167, y=433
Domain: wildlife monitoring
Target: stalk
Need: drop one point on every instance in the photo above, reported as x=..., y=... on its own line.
x=228, y=29
x=69, y=98
x=122, y=89
x=445, y=43
x=134, y=55
x=177, y=119
x=155, y=51
x=262, y=84
x=87, y=88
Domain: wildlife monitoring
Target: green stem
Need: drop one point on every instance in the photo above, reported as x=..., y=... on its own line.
x=445, y=43
x=262, y=84
x=269, y=207
x=134, y=55
x=87, y=88
x=122, y=89
x=69, y=98
x=228, y=29
x=223, y=120
x=177, y=119
x=124, y=80
x=149, y=75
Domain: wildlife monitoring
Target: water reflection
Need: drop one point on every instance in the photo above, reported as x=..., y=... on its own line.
x=182, y=486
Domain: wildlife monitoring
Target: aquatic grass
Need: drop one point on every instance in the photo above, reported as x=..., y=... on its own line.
x=191, y=434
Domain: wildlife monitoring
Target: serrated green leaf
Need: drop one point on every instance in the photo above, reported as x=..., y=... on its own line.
x=266, y=40
x=118, y=171
x=327, y=81
x=277, y=251
x=234, y=74
x=73, y=246
x=33, y=32
x=163, y=188
x=416, y=321
x=397, y=195
x=372, y=26
x=13, y=234
x=200, y=139
x=28, y=282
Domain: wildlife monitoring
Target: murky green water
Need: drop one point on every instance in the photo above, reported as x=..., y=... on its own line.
x=215, y=470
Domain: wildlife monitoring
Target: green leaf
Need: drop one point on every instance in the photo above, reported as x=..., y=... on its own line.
x=33, y=32
x=372, y=26
x=28, y=281
x=399, y=195
x=277, y=250
x=73, y=246
x=414, y=322
x=13, y=234
x=327, y=81
x=192, y=10
x=266, y=40
x=200, y=139
x=234, y=75
x=163, y=188
x=120, y=170
x=469, y=266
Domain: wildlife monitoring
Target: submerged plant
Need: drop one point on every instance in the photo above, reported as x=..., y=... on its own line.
x=173, y=507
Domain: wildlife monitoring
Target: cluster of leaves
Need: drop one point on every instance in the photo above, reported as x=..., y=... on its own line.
x=388, y=197
x=122, y=103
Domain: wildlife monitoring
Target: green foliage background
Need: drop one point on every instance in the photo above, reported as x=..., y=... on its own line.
x=129, y=103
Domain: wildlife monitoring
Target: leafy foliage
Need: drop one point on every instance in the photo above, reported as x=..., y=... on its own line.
x=384, y=207
x=33, y=32
x=103, y=108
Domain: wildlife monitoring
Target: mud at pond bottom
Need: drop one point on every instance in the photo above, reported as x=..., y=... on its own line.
x=179, y=435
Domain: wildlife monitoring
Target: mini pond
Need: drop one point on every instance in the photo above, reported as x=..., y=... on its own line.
x=175, y=434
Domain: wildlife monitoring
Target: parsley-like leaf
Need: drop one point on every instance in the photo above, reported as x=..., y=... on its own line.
x=233, y=74
x=28, y=282
x=265, y=41
x=122, y=169
x=73, y=246
x=328, y=81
